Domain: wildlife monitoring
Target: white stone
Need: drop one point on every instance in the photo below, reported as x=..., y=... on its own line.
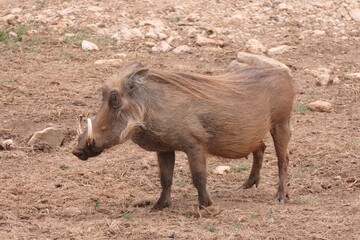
x=182, y=48
x=319, y=32
x=162, y=36
x=7, y=144
x=200, y=40
x=52, y=136
x=353, y=75
x=283, y=6
x=112, y=62
x=320, y=106
x=116, y=36
x=67, y=11
x=335, y=80
x=16, y=10
x=95, y=9
x=255, y=46
x=355, y=14
x=13, y=34
x=220, y=170
x=278, y=50
x=322, y=76
x=155, y=23
x=261, y=61
x=129, y=34
x=89, y=46
x=151, y=34
x=163, y=46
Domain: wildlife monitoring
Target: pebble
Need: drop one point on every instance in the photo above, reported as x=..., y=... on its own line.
x=255, y=46
x=51, y=136
x=182, y=49
x=322, y=76
x=220, y=170
x=163, y=46
x=7, y=145
x=95, y=9
x=16, y=10
x=89, y=46
x=335, y=80
x=112, y=62
x=320, y=106
x=355, y=14
x=353, y=75
x=200, y=40
x=278, y=50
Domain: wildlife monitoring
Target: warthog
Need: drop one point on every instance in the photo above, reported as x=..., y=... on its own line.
x=226, y=115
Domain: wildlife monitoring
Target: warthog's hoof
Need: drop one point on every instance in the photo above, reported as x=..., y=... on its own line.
x=250, y=182
x=281, y=196
x=160, y=205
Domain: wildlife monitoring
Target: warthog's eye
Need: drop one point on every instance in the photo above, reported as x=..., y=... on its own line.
x=114, y=100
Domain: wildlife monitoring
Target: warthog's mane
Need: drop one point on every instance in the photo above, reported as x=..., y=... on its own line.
x=213, y=87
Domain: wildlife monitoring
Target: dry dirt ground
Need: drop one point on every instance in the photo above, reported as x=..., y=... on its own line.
x=46, y=79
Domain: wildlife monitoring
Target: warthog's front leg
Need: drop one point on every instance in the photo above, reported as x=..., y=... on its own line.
x=197, y=162
x=166, y=163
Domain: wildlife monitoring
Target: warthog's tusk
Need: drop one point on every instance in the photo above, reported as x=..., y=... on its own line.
x=79, y=129
x=90, y=134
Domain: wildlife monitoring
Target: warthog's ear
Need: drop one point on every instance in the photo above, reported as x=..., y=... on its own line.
x=136, y=78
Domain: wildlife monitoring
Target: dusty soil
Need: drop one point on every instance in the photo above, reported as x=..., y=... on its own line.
x=46, y=79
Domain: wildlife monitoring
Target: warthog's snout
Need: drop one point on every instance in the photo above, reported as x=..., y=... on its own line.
x=87, y=147
x=85, y=153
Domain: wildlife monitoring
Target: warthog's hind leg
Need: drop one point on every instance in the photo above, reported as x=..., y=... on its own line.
x=254, y=177
x=281, y=135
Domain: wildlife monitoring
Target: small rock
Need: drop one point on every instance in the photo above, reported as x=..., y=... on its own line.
x=116, y=36
x=95, y=9
x=355, y=14
x=283, y=6
x=89, y=46
x=112, y=62
x=182, y=48
x=322, y=76
x=7, y=145
x=220, y=170
x=319, y=32
x=337, y=177
x=72, y=211
x=52, y=136
x=353, y=76
x=155, y=23
x=151, y=34
x=13, y=34
x=120, y=55
x=320, y=106
x=278, y=50
x=261, y=61
x=67, y=11
x=150, y=44
x=16, y=10
x=200, y=40
x=129, y=34
x=162, y=36
x=335, y=80
x=255, y=46
x=163, y=46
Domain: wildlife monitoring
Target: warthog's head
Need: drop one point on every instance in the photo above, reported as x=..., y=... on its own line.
x=121, y=112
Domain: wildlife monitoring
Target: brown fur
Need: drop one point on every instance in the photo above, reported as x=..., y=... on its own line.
x=226, y=115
